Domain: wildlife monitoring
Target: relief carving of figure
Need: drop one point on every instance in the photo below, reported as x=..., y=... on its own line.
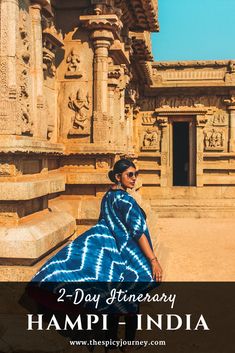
x=214, y=139
x=25, y=122
x=73, y=60
x=150, y=138
x=80, y=105
x=24, y=36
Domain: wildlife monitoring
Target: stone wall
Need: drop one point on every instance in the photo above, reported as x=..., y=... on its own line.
x=67, y=103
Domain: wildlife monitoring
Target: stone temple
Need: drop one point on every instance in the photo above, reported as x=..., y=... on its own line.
x=79, y=90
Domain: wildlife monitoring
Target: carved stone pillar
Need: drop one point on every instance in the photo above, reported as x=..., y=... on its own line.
x=113, y=77
x=102, y=27
x=9, y=15
x=38, y=102
x=163, y=123
x=201, y=120
x=231, y=108
x=232, y=128
x=102, y=40
x=111, y=112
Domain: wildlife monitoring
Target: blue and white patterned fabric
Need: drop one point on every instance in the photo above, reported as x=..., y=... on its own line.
x=108, y=251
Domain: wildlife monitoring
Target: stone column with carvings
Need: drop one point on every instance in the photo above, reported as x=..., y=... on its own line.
x=231, y=108
x=113, y=76
x=101, y=27
x=9, y=18
x=201, y=120
x=101, y=40
x=40, y=126
x=163, y=123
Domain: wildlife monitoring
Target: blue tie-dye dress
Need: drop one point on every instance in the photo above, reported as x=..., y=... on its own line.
x=108, y=251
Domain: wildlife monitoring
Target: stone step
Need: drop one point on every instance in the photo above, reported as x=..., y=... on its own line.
x=198, y=208
x=194, y=212
x=166, y=202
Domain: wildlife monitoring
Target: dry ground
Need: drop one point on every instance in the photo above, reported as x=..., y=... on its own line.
x=196, y=249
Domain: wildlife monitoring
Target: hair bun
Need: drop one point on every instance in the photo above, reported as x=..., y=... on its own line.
x=111, y=176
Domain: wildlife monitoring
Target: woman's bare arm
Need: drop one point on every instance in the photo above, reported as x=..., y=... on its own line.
x=145, y=247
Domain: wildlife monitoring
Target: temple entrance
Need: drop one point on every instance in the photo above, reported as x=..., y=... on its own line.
x=183, y=151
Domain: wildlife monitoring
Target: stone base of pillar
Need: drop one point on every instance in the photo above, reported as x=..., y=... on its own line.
x=32, y=240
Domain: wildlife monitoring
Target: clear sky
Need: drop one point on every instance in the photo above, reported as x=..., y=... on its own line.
x=195, y=30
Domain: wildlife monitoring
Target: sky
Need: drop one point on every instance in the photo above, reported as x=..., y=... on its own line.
x=195, y=30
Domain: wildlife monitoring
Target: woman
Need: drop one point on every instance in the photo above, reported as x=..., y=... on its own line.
x=118, y=248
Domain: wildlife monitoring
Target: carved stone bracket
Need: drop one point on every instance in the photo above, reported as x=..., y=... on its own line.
x=109, y=22
x=162, y=121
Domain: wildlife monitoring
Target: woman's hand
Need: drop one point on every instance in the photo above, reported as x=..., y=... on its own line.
x=156, y=270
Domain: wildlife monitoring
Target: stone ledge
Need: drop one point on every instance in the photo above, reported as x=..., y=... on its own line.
x=36, y=238
x=30, y=189
x=26, y=145
x=87, y=178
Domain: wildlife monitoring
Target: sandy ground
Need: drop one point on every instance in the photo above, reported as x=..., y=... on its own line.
x=196, y=249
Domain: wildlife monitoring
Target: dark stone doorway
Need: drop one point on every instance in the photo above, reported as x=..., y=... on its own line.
x=180, y=153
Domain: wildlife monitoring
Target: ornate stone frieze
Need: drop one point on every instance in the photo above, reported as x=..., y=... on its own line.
x=79, y=104
x=181, y=102
x=200, y=73
x=190, y=64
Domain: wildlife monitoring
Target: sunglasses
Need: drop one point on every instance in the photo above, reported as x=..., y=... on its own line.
x=131, y=174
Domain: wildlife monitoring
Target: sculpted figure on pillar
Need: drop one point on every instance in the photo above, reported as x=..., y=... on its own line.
x=150, y=138
x=73, y=60
x=80, y=105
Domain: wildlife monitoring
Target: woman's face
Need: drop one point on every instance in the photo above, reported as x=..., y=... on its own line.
x=128, y=177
